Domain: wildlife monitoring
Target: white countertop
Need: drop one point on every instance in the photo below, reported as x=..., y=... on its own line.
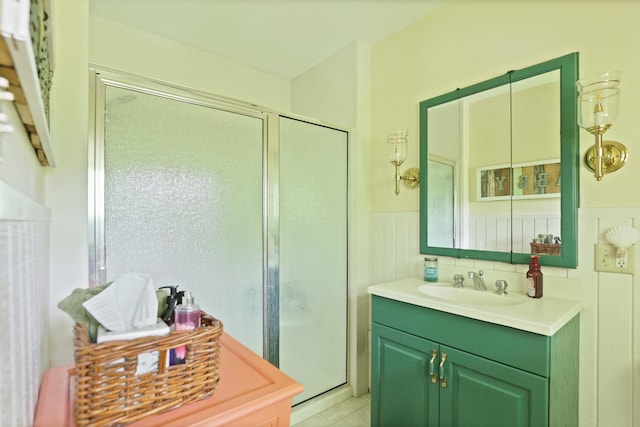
x=544, y=316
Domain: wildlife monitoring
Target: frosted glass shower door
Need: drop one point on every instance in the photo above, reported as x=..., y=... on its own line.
x=183, y=187
x=313, y=255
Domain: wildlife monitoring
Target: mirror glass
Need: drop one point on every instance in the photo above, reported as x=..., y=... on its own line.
x=501, y=165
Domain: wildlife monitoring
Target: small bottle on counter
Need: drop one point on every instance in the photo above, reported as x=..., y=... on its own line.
x=430, y=269
x=187, y=318
x=534, y=279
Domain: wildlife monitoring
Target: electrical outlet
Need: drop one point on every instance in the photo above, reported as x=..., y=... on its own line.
x=606, y=259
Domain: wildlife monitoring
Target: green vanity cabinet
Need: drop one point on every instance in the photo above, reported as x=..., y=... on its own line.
x=402, y=392
x=432, y=368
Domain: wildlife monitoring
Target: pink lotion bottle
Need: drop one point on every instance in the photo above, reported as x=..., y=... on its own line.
x=187, y=318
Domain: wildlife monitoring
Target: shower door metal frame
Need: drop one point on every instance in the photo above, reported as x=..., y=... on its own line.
x=100, y=78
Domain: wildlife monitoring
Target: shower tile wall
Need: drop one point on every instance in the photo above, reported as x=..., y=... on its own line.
x=24, y=281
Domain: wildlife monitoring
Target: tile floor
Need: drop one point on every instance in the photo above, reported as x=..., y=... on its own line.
x=353, y=412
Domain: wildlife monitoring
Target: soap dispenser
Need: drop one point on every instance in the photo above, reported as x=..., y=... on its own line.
x=534, y=279
x=187, y=318
x=173, y=300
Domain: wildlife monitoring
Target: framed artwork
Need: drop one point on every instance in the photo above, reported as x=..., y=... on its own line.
x=536, y=180
x=529, y=180
x=495, y=182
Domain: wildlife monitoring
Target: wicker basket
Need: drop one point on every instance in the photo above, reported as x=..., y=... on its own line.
x=108, y=392
x=546, y=248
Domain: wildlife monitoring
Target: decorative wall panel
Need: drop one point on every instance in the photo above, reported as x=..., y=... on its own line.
x=24, y=280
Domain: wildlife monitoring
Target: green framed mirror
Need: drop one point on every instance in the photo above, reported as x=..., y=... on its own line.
x=500, y=160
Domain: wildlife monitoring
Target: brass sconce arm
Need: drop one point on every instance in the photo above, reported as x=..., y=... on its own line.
x=411, y=179
x=605, y=156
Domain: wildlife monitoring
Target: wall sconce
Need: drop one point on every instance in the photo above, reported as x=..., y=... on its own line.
x=598, y=99
x=398, y=139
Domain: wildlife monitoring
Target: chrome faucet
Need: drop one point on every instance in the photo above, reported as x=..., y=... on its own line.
x=457, y=281
x=478, y=281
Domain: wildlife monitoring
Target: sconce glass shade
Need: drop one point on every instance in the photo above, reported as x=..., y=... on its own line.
x=398, y=139
x=598, y=101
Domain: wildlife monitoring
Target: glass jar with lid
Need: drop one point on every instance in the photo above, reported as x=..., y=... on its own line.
x=430, y=269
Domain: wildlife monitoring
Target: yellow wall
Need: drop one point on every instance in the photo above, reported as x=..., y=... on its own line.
x=66, y=184
x=467, y=42
x=19, y=166
x=133, y=51
x=327, y=91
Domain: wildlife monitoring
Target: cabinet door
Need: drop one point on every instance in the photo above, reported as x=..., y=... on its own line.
x=480, y=392
x=402, y=392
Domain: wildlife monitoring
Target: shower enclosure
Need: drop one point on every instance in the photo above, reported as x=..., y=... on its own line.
x=244, y=207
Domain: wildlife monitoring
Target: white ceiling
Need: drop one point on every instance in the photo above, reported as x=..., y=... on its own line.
x=280, y=37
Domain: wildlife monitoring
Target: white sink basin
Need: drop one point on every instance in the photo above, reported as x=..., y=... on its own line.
x=469, y=296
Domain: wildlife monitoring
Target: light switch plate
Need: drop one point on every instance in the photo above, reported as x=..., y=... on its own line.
x=605, y=259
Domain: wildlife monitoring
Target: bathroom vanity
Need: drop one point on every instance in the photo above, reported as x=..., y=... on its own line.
x=458, y=357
